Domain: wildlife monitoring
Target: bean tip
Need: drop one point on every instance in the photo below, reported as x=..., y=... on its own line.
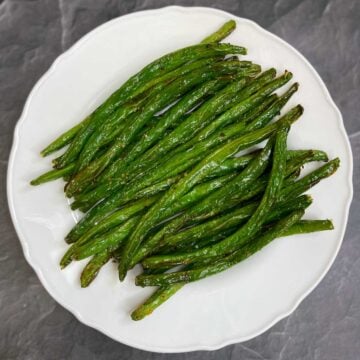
x=300, y=108
x=84, y=283
x=134, y=316
x=288, y=74
x=331, y=224
x=122, y=274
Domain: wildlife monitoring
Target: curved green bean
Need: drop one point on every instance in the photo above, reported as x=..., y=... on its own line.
x=239, y=255
x=252, y=226
x=171, y=93
x=109, y=241
x=224, y=31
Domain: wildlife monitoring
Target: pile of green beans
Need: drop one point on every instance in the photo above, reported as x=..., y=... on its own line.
x=169, y=173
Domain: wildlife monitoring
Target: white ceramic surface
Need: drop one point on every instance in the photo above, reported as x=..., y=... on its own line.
x=227, y=308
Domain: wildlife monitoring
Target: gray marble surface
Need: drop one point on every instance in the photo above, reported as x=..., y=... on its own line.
x=33, y=33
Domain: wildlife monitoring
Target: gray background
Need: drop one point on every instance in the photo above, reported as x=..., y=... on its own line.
x=33, y=326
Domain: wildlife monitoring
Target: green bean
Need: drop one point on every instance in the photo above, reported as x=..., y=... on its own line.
x=93, y=267
x=200, y=119
x=155, y=300
x=163, y=293
x=252, y=95
x=220, y=198
x=231, y=219
x=317, y=155
x=239, y=255
x=218, y=177
x=297, y=158
x=53, y=175
x=209, y=240
x=227, y=198
x=310, y=180
x=202, y=190
x=109, y=241
x=287, y=193
x=180, y=162
x=171, y=117
x=157, y=68
x=249, y=124
x=115, y=219
x=227, y=167
x=239, y=184
x=294, y=175
x=197, y=193
x=221, y=33
x=199, y=150
x=71, y=154
x=150, y=190
x=65, y=138
x=118, y=217
x=309, y=226
x=110, y=128
x=252, y=226
x=161, y=65
x=249, y=116
x=230, y=165
x=304, y=157
x=200, y=171
x=290, y=189
x=171, y=92
x=300, y=227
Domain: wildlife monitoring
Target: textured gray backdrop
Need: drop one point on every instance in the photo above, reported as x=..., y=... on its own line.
x=326, y=325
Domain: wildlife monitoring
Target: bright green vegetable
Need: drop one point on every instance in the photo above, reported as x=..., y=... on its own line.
x=309, y=226
x=288, y=193
x=201, y=149
x=252, y=226
x=157, y=68
x=110, y=128
x=222, y=197
x=165, y=292
x=147, y=75
x=93, y=267
x=182, y=161
x=134, y=253
x=310, y=180
x=171, y=166
x=53, y=175
x=228, y=221
x=239, y=255
x=230, y=197
x=201, y=119
x=227, y=167
x=221, y=33
x=115, y=219
x=170, y=93
x=65, y=138
x=171, y=117
x=201, y=171
x=155, y=300
x=109, y=241
x=252, y=96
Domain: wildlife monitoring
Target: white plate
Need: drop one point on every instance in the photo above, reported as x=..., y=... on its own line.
x=227, y=308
